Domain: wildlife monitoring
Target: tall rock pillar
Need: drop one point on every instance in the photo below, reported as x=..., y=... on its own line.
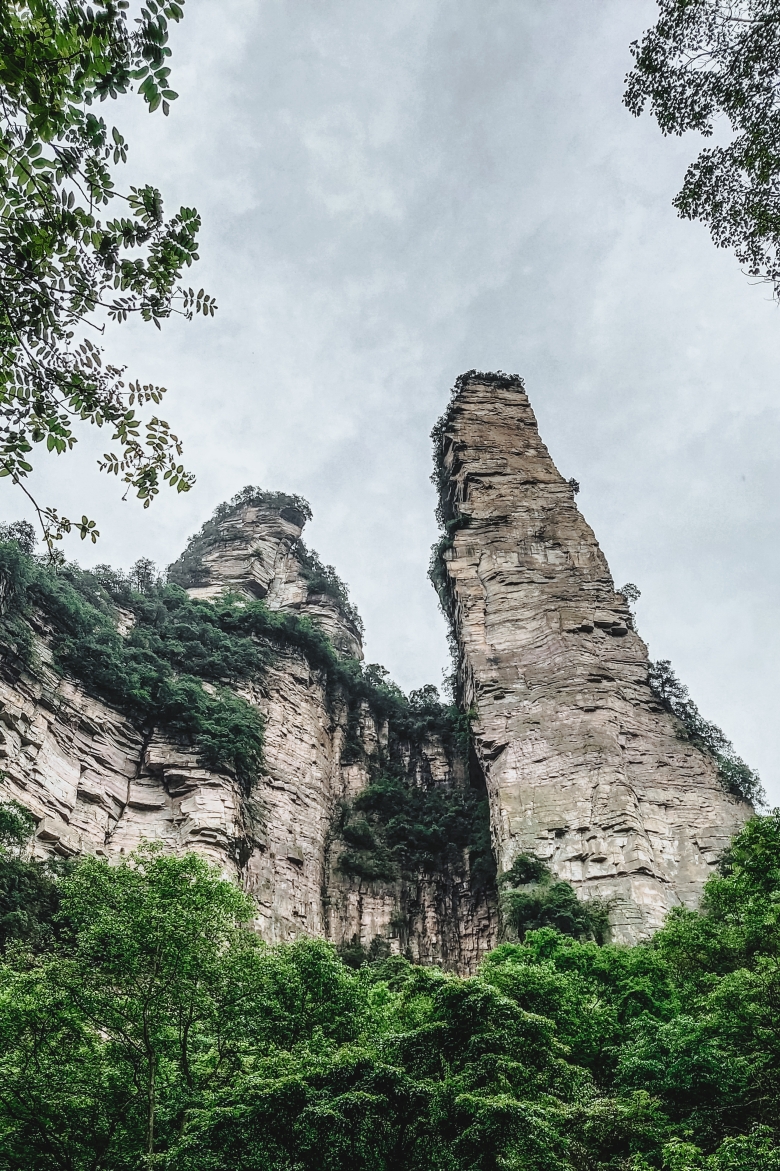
x=584, y=767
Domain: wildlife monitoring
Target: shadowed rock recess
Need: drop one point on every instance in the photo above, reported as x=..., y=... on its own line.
x=584, y=767
x=367, y=816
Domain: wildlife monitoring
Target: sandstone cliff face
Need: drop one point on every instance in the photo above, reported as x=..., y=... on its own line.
x=583, y=766
x=256, y=550
x=96, y=784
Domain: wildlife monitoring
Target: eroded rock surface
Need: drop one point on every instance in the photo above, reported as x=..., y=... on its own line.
x=583, y=766
x=96, y=784
x=255, y=550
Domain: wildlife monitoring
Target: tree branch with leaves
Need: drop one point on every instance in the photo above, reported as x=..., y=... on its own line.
x=66, y=264
x=710, y=60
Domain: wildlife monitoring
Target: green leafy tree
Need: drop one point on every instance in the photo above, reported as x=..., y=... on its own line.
x=29, y=897
x=533, y=899
x=706, y=60
x=715, y=1064
x=148, y=970
x=142, y=1009
x=69, y=257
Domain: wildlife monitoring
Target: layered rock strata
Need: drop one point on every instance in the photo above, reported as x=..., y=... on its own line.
x=256, y=549
x=96, y=784
x=583, y=765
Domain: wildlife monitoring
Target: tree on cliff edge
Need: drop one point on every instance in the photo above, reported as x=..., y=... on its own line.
x=709, y=59
x=73, y=250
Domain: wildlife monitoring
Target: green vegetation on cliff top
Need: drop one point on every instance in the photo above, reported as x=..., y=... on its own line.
x=189, y=569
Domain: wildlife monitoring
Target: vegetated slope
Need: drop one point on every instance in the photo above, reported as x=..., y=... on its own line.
x=408, y=862
x=150, y=1028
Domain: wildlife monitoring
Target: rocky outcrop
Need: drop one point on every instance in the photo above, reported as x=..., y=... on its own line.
x=97, y=784
x=448, y=917
x=583, y=765
x=255, y=548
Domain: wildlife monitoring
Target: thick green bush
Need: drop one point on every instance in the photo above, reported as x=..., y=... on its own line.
x=532, y=898
x=158, y=1032
x=29, y=892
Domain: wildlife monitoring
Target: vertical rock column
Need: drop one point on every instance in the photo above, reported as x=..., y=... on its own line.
x=251, y=549
x=583, y=766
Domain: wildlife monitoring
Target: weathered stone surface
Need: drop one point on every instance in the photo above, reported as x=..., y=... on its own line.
x=95, y=784
x=252, y=550
x=583, y=766
x=433, y=919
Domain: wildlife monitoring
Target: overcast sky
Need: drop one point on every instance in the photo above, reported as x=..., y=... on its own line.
x=395, y=192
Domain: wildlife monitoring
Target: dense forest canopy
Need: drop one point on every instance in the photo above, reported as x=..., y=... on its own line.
x=143, y=1024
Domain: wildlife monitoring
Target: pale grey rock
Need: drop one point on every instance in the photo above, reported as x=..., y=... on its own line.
x=252, y=551
x=96, y=785
x=583, y=766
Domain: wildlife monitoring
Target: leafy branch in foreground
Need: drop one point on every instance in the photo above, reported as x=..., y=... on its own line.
x=706, y=59
x=65, y=263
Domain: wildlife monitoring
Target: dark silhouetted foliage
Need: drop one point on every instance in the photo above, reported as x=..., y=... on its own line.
x=714, y=61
